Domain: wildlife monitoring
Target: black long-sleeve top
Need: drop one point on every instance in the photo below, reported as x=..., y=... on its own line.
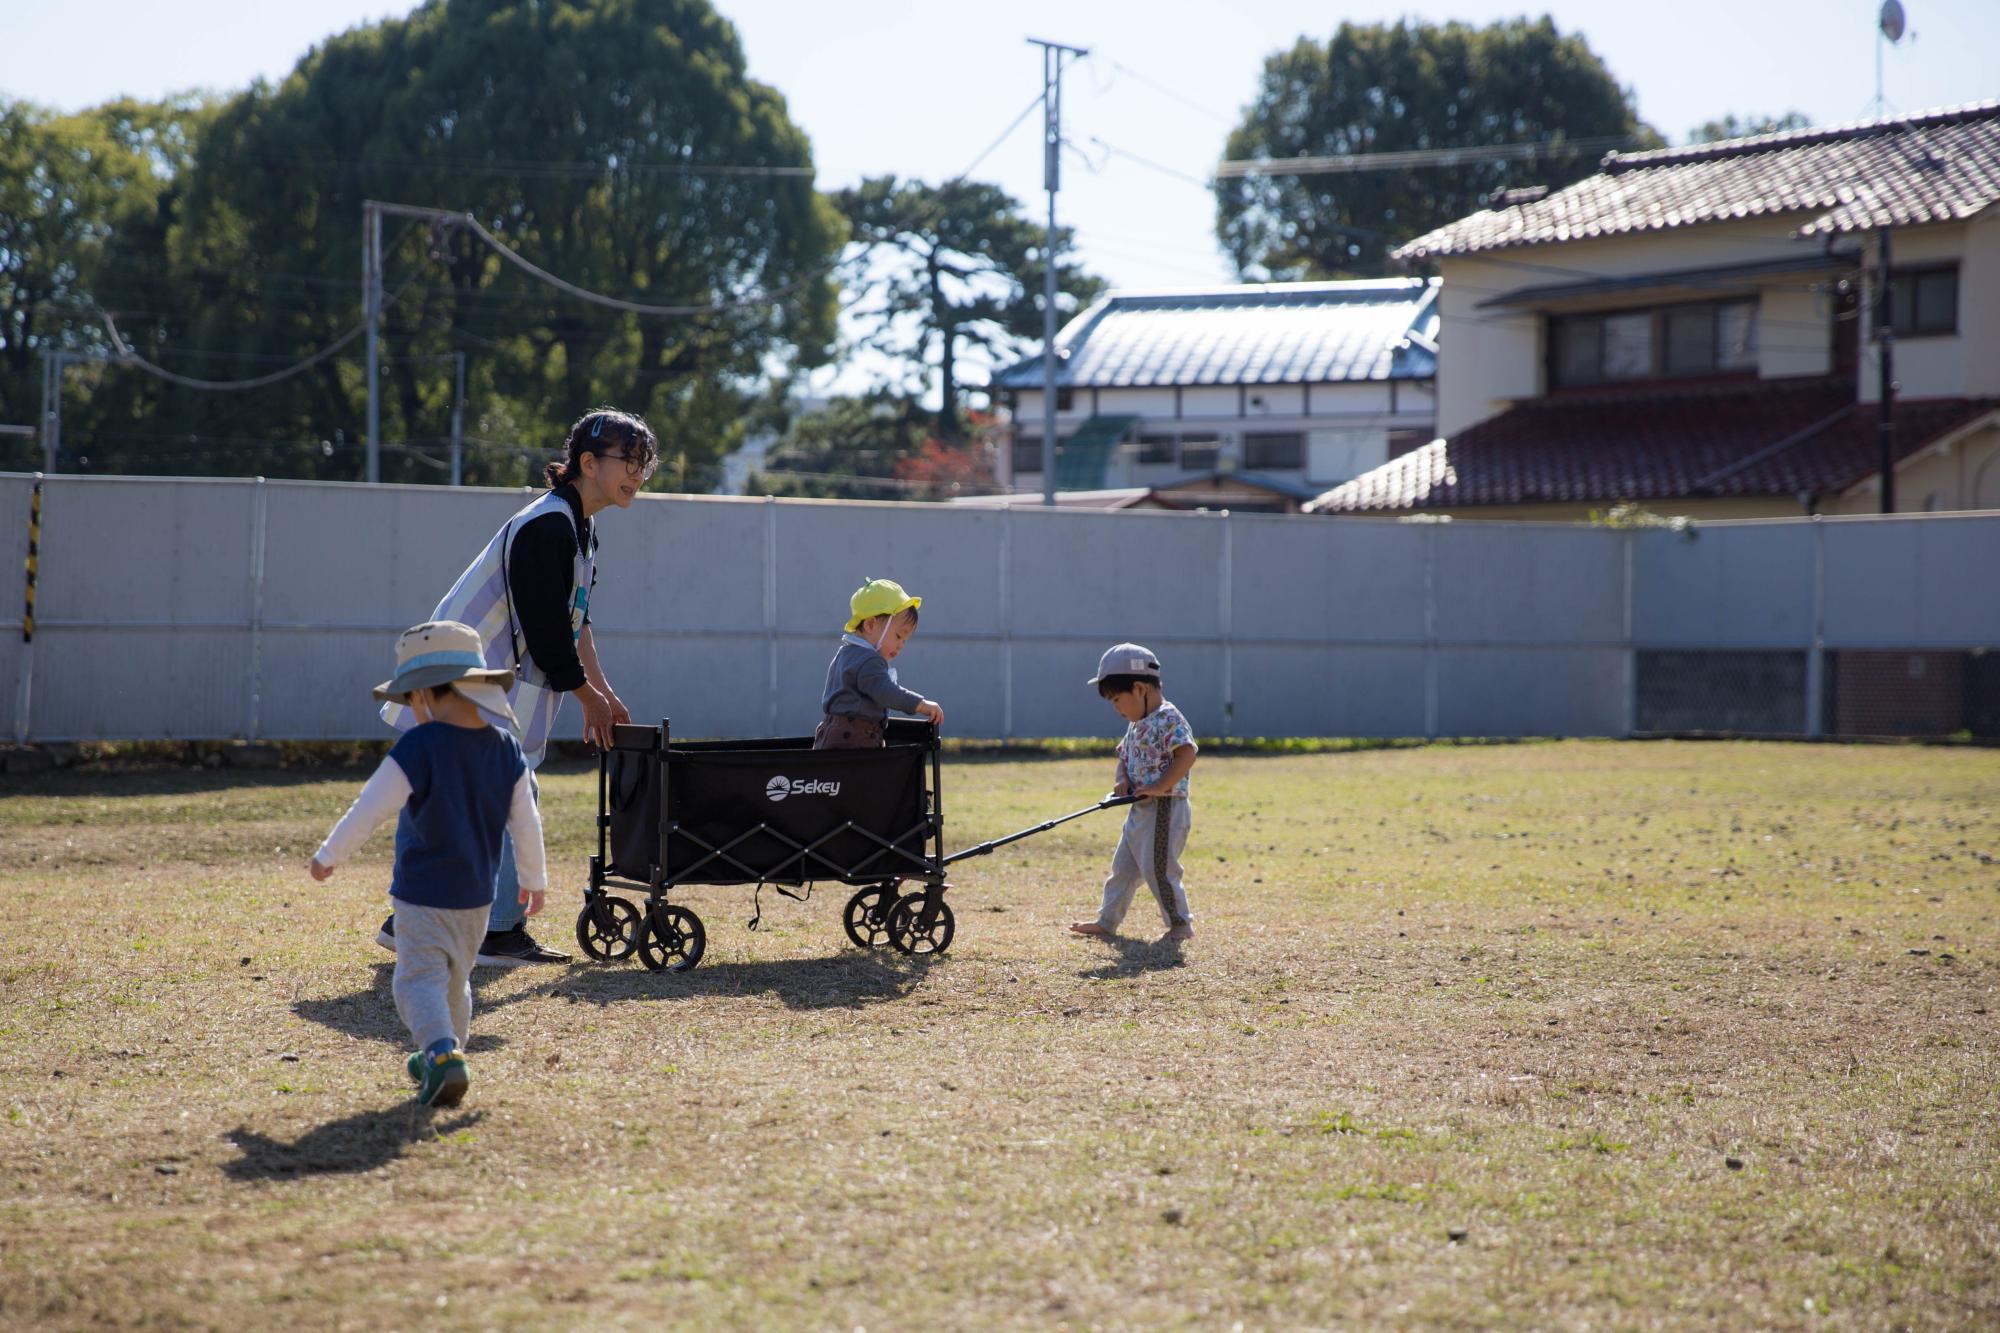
x=541, y=575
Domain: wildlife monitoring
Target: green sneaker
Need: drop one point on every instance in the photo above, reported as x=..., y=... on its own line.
x=414, y=1066
x=441, y=1079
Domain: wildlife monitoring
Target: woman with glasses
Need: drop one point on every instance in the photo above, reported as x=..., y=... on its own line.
x=528, y=595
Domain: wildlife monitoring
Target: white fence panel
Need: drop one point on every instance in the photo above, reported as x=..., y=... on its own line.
x=201, y=608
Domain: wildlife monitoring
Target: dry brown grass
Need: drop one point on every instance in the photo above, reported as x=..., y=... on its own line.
x=1542, y=995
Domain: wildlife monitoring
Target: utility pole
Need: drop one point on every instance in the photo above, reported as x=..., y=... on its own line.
x=52, y=375
x=457, y=418
x=1052, y=64
x=1885, y=423
x=371, y=307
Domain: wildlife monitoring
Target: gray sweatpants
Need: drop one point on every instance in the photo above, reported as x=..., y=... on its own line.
x=1149, y=851
x=435, y=949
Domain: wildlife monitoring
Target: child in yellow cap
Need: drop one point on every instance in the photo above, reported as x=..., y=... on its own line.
x=861, y=687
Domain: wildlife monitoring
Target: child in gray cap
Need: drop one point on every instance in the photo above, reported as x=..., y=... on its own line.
x=1154, y=757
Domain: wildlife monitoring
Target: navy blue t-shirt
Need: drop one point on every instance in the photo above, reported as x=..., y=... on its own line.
x=448, y=836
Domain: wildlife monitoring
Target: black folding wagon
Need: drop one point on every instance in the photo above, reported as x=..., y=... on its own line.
x=673, y=814
x=777, y=813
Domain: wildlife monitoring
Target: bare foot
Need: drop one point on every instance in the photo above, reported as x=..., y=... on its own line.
x=1088, y=928
x=1179, y=934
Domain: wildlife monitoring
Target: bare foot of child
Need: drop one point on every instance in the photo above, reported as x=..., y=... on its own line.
x=1088, y=928
x=1179, y=934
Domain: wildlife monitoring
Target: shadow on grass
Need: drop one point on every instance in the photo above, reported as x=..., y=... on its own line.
x=364, y=1141
x=1135, y=957
x=847, y=980
x=370, y=1013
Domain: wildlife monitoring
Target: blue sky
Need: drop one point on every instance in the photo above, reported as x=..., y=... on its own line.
x=919, y=89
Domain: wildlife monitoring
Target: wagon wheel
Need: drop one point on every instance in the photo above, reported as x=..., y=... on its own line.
x=908, y=938
x=670, y=937
x=867, y=916
x=606, y=927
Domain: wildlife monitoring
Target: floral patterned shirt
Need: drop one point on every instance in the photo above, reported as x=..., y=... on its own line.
x=1149, y=744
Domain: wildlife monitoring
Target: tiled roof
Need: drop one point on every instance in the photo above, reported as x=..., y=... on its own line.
x=1758, y=439
x=1938, y=166
x=1258, y=333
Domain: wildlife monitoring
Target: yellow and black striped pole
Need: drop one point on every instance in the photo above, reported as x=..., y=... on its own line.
x=25, y=699
x=34, y=546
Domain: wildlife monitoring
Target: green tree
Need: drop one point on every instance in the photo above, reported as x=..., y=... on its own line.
x=1378, y=88
x=83, y=200
x=949, y=269
x=1733, y=126
x=847, y=450
x=620, y=144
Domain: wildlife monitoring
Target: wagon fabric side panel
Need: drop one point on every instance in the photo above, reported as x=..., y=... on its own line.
x=777, y=815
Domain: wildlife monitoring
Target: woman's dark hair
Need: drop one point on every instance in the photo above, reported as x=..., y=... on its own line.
x=605, y=430
x=1119, y=683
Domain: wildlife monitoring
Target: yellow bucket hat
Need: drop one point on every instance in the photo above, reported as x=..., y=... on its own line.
x=878, y=597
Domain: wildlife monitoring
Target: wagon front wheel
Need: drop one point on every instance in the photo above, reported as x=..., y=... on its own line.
x=670, y=938
x=908, y=933
x=607, y=927
x=867, y=916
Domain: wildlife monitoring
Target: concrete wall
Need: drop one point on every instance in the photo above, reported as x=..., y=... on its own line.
x=216, y=608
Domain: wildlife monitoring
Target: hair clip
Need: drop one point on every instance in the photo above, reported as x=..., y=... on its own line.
x=597, y=426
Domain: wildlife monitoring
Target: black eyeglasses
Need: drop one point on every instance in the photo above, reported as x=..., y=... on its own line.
x=634, y=467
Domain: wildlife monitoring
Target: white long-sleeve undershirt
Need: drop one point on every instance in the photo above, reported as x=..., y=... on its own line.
x=387, y=791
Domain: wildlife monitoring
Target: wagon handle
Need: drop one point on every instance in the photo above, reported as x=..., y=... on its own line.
x=985, y=847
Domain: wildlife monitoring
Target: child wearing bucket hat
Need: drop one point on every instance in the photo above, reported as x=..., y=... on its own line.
x=456, y=783
x=1154, y=757
x=861, y=686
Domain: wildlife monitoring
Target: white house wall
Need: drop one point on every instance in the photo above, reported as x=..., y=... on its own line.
x=1965, y=364
x=1493, y=358
x=1794, y=332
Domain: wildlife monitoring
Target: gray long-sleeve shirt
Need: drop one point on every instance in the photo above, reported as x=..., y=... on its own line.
x=860, y=684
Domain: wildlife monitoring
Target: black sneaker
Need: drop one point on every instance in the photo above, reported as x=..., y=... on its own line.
x=386, y=937
x=515, y=948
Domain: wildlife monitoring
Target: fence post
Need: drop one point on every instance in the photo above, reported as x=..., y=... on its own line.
x=1430, y=631
x=1816, y=646
x=1630, y=721
x=771, y=607
x=1007, y=622
x=259, y=527
x=1228, y=582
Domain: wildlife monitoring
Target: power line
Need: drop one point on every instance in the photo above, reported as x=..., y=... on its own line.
x=1412, y=159
x=1171, y=93
x=127, y=357
x=1151, y=165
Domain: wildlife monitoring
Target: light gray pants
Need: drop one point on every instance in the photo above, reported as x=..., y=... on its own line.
x=435, y=949
x=1149, y=851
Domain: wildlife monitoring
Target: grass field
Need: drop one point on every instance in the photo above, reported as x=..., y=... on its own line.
x=1577, y=1034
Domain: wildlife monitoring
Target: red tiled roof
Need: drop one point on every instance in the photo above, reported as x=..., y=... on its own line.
x=1757, y=439
x=1939, y=166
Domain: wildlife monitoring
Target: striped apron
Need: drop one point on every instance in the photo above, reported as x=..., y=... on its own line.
x=481, y=599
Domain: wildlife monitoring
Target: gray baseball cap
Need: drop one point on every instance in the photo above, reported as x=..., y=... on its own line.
x=1126, y=659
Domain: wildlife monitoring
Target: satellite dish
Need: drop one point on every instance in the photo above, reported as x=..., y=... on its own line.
x=1892, y=20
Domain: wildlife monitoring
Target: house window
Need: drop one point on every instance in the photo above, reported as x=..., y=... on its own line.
x=1065, y=399
x=1924, y=300
x=1158, y=448
x=1696, y=338
x=1628, y=346
x=1028, y=452
x=1404, y=439
x=1264, y=451
x=1200, y=455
